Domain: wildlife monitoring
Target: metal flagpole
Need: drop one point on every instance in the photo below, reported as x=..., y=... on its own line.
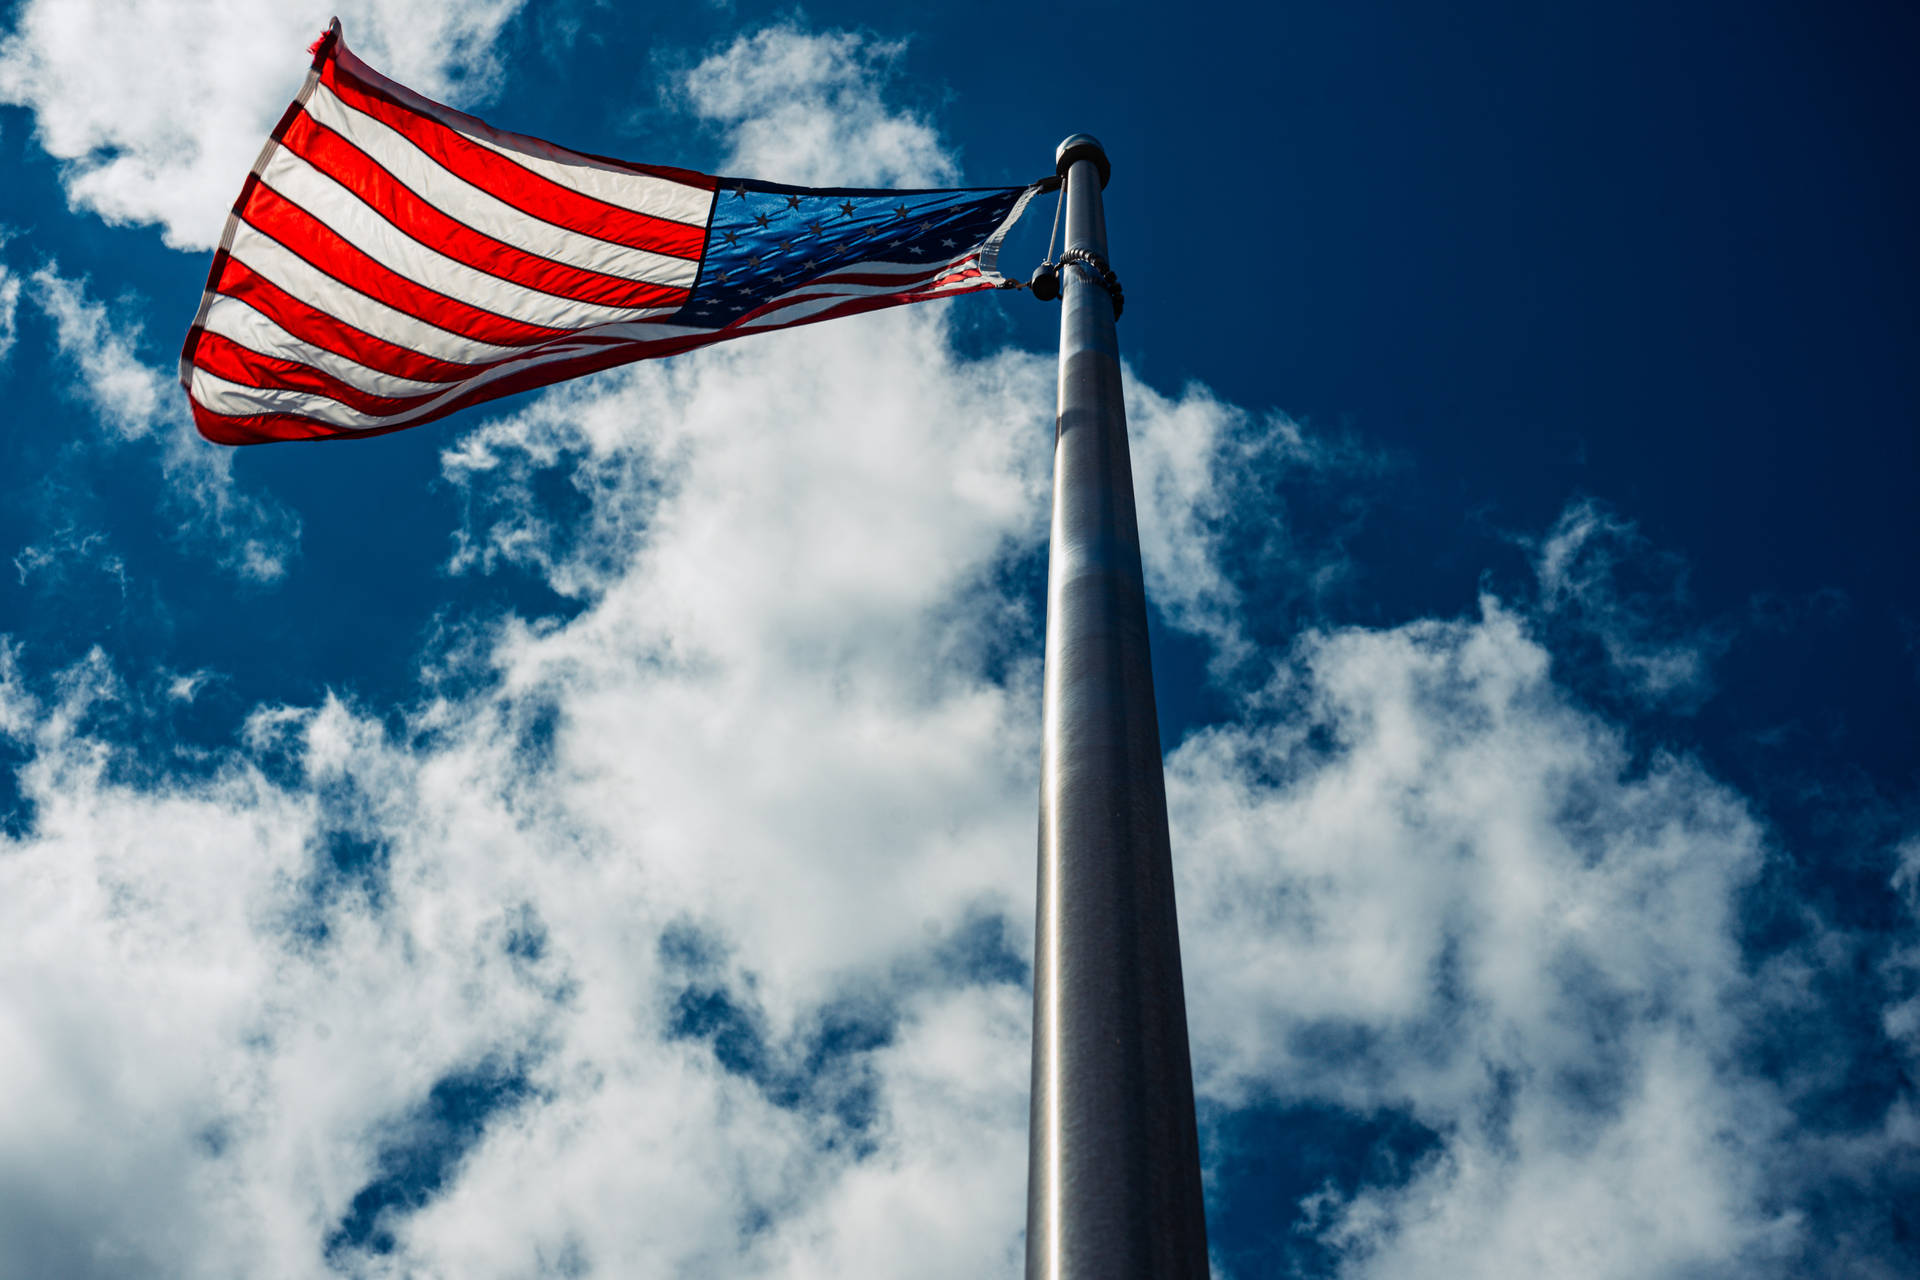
x=1113, y=1175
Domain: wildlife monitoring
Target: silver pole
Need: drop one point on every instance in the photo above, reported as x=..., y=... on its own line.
x=1113, y=1175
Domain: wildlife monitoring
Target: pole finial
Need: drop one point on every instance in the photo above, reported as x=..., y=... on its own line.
x=1082, y=146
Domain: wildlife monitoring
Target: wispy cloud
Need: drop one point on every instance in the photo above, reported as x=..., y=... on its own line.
x=9, y=307
x=51, y=559
x=136, y=402
x=1599, y=574
x=125, y=394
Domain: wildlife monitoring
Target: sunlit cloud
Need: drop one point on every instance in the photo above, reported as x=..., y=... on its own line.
x=808, y=107
x=157, y=109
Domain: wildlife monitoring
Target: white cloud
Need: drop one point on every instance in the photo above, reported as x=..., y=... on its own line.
x=787, y=625
x=66, y=550
x=807, y=107
x=126, y=395
x=1436, y=887
x=9, y=307
x=769, y=725
x=251, y=534
x=1598, y=572
x=157, y=109
x=1200, y=465
x=1902, y=1017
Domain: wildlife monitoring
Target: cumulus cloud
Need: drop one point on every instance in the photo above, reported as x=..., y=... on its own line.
x=702, y=904
x=137, y=402
x=789, y=624
x=157, y=110
x=1436, y=887
x=1200, y=466
x=808, y=107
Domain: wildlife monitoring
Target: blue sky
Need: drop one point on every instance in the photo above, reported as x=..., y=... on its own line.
x=592, y=836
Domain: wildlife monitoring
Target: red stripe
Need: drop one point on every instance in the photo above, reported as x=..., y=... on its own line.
x=224, y=358
x=265, y=428
x=853, y=306
x=420, y=104
x=310, y=324
x=236, y=280
x=268, y=428
x=914, y=287
x=346, y=164
x=854, y=275
x=272, y=214
x=520, y=187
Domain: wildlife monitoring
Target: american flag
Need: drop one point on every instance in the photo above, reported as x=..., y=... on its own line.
x=391, y=260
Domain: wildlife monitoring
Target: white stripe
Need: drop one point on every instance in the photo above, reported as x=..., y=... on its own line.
x=641, y=193
x=895, y=268
x=819, y=295
x=791, y=312
x=464, y=202
x=356, y=222
x=899, y=285
x=910, y=277
x=319, y=290
x=787, y=313
x=642, y=331
x=236, y=400
x=233, y=319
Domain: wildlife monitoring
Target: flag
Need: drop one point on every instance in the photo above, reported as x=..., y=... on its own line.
x=391, y=260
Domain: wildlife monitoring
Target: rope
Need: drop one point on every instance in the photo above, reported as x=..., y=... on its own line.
x=1059, y=198
x=1059, y=189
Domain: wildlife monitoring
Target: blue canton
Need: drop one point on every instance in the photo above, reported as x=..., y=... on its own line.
x=766, y=240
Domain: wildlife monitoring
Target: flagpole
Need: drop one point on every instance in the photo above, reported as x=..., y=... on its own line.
x=1113, y=1176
